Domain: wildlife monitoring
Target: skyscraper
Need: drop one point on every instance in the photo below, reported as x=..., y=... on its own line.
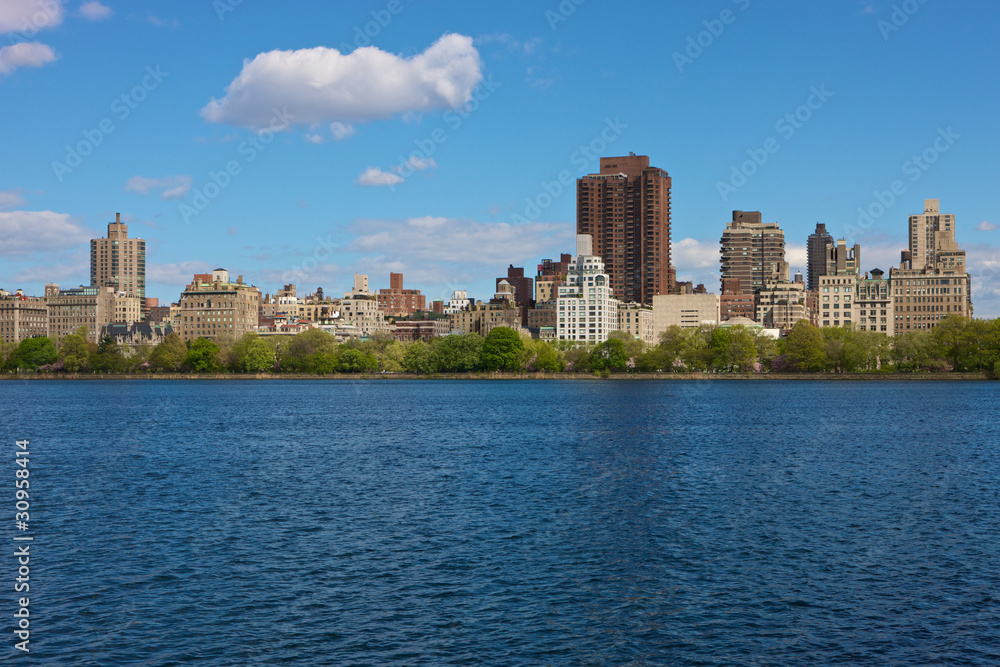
x=626, y=210
x=816, y=255
x=932, y=240
x=119, y=261
x=752, y=251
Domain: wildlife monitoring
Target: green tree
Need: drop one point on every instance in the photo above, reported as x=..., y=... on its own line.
x=109, y=357
x=302, y=350
x=950, y=339
x=73, y=350
x=417, y=358
x=804, y=347
x=258, y=356
x=501, y=350
x=456, y=354
x=539, y=355
x=609, y=355
x=357, y=361
x=169, y=354
x=34, y=352
x=577, y=359
x=203, y=356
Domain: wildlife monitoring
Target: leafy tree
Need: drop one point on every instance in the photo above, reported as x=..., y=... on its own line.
x=741, y=353
x=633, y=346
x=203, y=356
x=949, y=336
x=357, y=361
x=257, y=356
x=609, y=355
x=765, y=346
x=34, y=352
x=917, y=350
x=390, y=357
x=74, y=352
x=578, y=359
x=501, y=350
x=169, y=354
x=804, y=347
x=457, y=354
x=417, y=358
x=109, y=357
x=695, y=353
x=301, y=351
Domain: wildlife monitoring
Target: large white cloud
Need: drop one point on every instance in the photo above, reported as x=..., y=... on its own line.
x=25, y=54
x=323, y=85
x=29, y=16
x=27, y=232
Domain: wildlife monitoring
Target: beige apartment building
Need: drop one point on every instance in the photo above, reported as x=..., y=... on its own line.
x=637, y=320
x=873, y=303
x=23, y=317
x=213, y=307
x=91, y=307
x=483, y=318
x=118, y=261
x=688, y=311
x=781, y=304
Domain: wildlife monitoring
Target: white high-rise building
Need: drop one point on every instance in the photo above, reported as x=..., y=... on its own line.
x=586, y=310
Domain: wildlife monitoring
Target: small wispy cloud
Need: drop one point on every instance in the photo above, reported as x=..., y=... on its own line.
x=341, y=131
x=95, y=11
x=375, y=177
x=986, y=226
x=171, y=187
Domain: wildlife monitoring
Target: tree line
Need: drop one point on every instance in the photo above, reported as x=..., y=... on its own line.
x=956, y=344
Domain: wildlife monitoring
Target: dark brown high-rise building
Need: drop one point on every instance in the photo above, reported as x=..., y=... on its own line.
x=626, y=209
x=816, y=258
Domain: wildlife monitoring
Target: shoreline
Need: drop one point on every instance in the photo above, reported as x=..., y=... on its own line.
x=762, y=377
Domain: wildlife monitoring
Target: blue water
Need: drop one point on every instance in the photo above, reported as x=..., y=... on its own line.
x=509, y=523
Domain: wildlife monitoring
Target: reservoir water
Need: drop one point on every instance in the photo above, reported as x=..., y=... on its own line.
x=507, y=522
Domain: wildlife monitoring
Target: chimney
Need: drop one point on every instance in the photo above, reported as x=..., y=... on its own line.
x=118, y=218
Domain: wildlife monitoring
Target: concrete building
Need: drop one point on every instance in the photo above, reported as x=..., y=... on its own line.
x=734, y=302
x=408, y=330
x=91, y=307
x=459, y=300
x=483, y=318
x=213, y=307
x=543, y=315
x=521, y=287
x=751, y=250
x=636, y=320
x=836, y=300
x=922, y=297
x=363, y=312
x=841, y=260
x=783, y=303
x=399, y=302
x=873, y=303
x=816, y=256
x=932, y=240
x=689, y=311
x=551, y=274
x=587, y=310
x=118, y=261
x=23, y=317
x=625, y=209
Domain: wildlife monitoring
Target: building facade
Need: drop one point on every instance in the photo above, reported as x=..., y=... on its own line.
x=587, y=309
x=118, y=261
x=399, y=302
x=636, y=320
x=483, y=318
x=213, y=307
x=816, y=256
x=688, y=311
x=873, y=303
x=91, y=307
x=625, y=208
x=23, y=317
x=751, y=250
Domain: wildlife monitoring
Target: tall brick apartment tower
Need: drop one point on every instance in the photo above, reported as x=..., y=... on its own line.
x=119, y=261
x=626, y=209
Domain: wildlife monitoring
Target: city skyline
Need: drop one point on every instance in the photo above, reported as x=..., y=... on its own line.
x=472, y=162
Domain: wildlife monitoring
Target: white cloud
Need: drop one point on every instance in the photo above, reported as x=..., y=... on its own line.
x=511, y=42
x=341, y=131
x=67, y=268
x=95, y=11
x=27, y=232
x=176, y=275
x=321, y=84
x=25, y=54
x=986, y=226
x=11, y=199
x=173, y=187
x=416, y=164
x=373, y=176
x=161, y=22
x=29, y=16
x=314, y=138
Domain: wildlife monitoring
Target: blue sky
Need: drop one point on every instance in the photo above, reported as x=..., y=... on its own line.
x=259, y=137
